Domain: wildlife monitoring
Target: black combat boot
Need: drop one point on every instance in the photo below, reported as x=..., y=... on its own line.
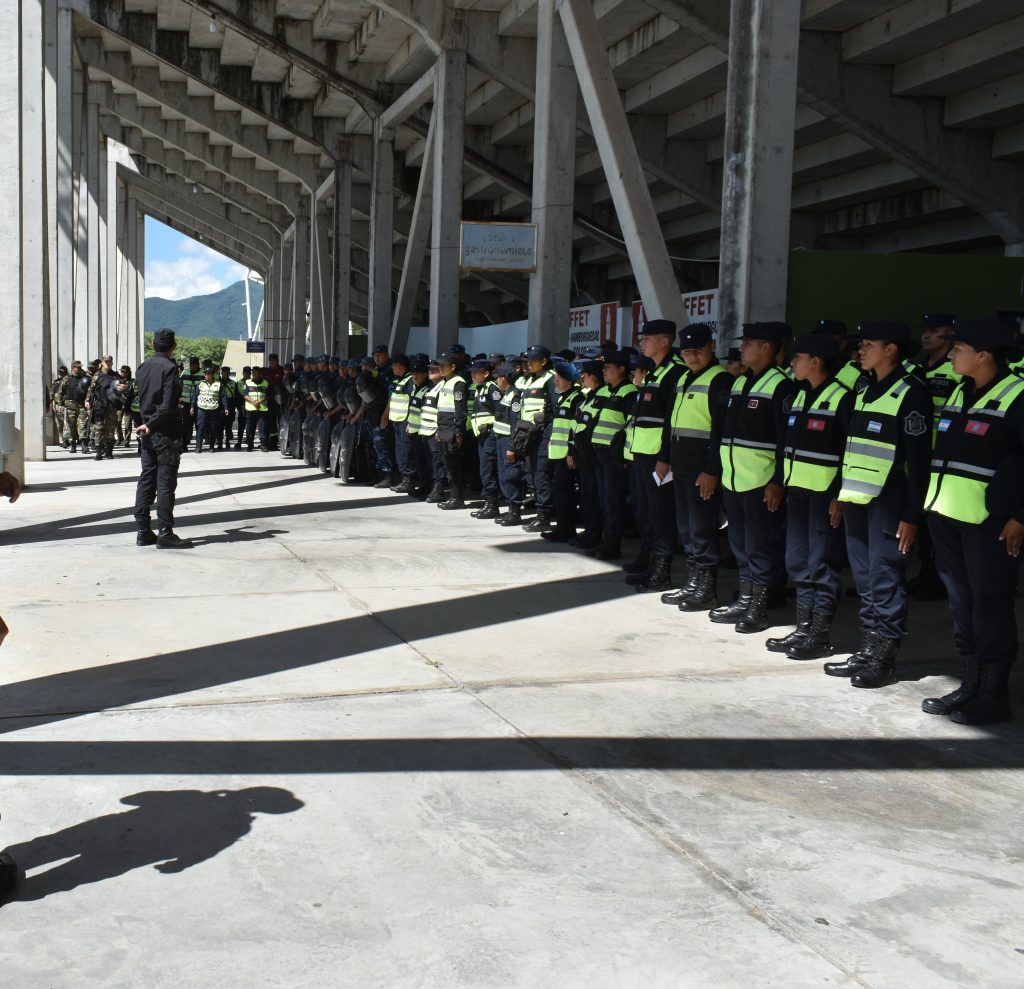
x=704, y=596
x=679, y=595
x=848, y=667
x=610, y=548
x=199, y=448
x=171, y=540
x=991, y=702
x=85, y=446
x=638, y=564
x=950, y=702
x=659, y=578
x=558, y=535
x=586, y=540
x=436, y=495
x=541, y=523
x=880, y=669
x=453, y=502
x=730, y=614
x=803, y=628
x=405, y=486
x=99, y=453
x=74, y=447
x=512, y=517
x=386, y=481
x=489, y=511
x=756, y=617
x=816, y=644
x=145, y=537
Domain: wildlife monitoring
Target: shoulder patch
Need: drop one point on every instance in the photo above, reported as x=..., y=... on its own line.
x=516, y=406
x=915, y=424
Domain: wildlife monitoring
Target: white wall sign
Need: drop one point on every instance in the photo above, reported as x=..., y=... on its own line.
x=499, y=247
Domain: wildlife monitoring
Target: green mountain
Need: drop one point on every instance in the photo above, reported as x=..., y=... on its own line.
x=221, y=315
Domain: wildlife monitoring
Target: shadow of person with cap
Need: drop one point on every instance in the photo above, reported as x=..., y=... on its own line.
x=172, y=830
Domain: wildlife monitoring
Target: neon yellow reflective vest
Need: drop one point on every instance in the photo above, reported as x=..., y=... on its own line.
x=691, y=412
x=416, y=410
x=610, y=420
x=871, y=445
x=650, y=417
x=428, y=414
x=535, y=394
x=849, y=374
x=969, y=450
x=208, y=397
x=814, y=448
x=564, y=424
x=255, y=391
x=750, y=443
x=398, y=403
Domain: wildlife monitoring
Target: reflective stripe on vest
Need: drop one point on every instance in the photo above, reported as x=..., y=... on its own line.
x=416, y=411
x=941, y=381
x=691, y=413
x=746, y=463
x=398, y=403
x=428, y=414
x=506, y=408
x=611, y=422
x=535, y=395
x=867, y=460
x=256, y=392
x=957, y=489
x=647, y=433
x=209, y=396
x=446, y=396
x=563, y=425
x=813, y=470
x=849, y=374
x=481, y=416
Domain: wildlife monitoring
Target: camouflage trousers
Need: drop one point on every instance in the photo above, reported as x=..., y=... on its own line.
x=76, y=423
x=60, y=420
x=101, y=428
x=125, y=424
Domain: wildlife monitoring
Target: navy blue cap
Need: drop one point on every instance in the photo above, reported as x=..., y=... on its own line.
x=884, y=329
x=365, y=362
x=637, y=362
x=402, y=359
x=298, y=357
x=620, y=358
x=332, y=360
x=772, y=332
x=416, y=364
x=162, y=340
x=537, y=352
x=592, y=353
x=567, y=370
x=480, y=365
x=566, y=355
x=658, y=327
x=449, y=357
x=734, y=354
x=933, y=321
x=193, y=359
x=380, y=349
x=505, y=370
x=833, y=327
x=324, y=359
x=820, y=345
x=987, y=334
x=592, y=367
x=456, y=348
x=695, y=336
x=496, y=359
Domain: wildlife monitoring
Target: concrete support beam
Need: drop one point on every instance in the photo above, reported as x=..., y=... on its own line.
x=415, y=248
x=300, y=280
x=420, y=92
x=91, y=151
x=284, y=316
x=62, y=156
x=320, y=279
x=342, y=257
x=758, y=165
x=648, y=254
x=449, y=130
x=381, y=235
x=554, y=157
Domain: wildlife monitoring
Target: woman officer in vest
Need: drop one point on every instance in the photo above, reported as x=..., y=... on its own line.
x=884, y=479
x=819, y=420
x=976, y=513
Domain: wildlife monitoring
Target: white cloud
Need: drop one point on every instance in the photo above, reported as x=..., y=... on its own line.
x=197, y=271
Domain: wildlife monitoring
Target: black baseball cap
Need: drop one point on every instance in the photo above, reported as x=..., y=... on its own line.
x=695, y=336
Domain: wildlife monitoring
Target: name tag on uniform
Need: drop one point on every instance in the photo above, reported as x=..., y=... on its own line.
x=818, y=425
x=752, y=403
x=874, y=427
x=944, y=424
x=975, y=428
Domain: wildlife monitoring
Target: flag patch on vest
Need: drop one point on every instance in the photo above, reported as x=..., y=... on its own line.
x=976, y=428
x=915, y=424
x=874, y=427
x=944, y=424
x=818, y=425
x=752, y=403
x=792, y=420
x=648, y=396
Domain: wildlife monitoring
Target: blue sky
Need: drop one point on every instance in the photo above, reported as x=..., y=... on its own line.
x=178, y=267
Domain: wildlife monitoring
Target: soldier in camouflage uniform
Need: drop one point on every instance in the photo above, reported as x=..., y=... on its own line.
x=103, y=404
x=71, y=396
x=125, y=419
x=58, y=411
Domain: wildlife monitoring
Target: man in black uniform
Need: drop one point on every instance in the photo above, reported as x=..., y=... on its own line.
x=159, y=443
x=452, y=413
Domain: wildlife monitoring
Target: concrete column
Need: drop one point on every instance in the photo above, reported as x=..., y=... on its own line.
x=300, y=279
x=382, y=222
x=93, y=159
x=449, y=152
x=554, y=160
x=112, y=343
x=341, y=280
x=285, y=313
x=416, y=250
x=320, y=298
x=627, y=183
x=65, y=192
x=758, y=164
x=80, y=343
x=137, y=310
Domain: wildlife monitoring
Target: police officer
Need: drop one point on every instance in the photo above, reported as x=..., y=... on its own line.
x=615, y=402
x=159, y=443
x=883, y=485
x=396, y=417
x=434, y=470
x=486, y=398
x=975, y=503
x=103, y=403
x=240, y=406
x=227, y=387
x=509, y=461
x=420, y=478
x=452, y=415
x=582, y=457
x=816, y=431
x=849, y=372
x=560, y=447
x=209, y=408
x=753, y=438
x=254, y=393
x=695, y=431
x=654, y=507
x=126, y=412
x=539, y=399
x=941, y=379
x=189, y=383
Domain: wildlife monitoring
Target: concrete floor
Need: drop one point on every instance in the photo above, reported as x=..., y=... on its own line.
x=350, y=740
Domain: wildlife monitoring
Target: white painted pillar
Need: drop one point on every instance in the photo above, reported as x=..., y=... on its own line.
x=758, y=164
x=300, y=278
x=285, y=313
x=382, y=223
x=93, y=160
x=554, y=161
x=138, y=308
x=80, y=343
x=341, y=280
x=449, y=152
x=627, y=183
x=65, y=191
x=320, y=299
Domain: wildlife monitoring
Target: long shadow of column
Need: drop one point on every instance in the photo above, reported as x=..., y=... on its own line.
x=172, y=830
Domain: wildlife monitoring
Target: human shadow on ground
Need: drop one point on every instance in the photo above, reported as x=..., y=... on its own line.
x=172, y=830
x=238, y=535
